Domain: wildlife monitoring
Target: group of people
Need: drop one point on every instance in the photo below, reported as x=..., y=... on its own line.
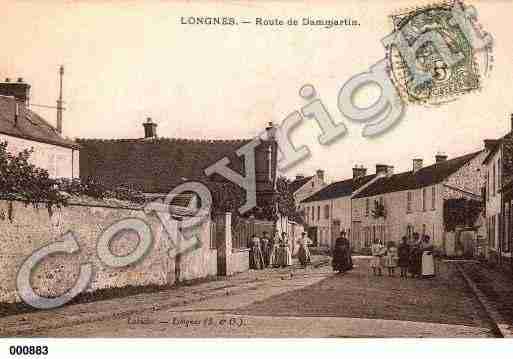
x=415, y=258
x=275, y=252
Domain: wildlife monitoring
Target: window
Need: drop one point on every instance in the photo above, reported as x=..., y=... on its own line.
x=367, y=207
x=326, y=212
x=307, y=213
x=313, y=214
x=409, y=200
x=366, y=234
x=318, y=213
x=424, y=191
x=433, y=198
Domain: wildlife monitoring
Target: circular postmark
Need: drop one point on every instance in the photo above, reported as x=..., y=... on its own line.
x=433, y=58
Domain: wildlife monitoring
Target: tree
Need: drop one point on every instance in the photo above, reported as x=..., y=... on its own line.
x=285, y=204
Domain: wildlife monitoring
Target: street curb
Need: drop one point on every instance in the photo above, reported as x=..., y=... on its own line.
x=95, y=317
x=496, y=318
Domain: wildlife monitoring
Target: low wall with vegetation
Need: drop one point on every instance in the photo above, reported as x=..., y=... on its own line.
x=25, y=229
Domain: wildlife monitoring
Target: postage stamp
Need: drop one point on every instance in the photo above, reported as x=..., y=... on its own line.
x=447, y=81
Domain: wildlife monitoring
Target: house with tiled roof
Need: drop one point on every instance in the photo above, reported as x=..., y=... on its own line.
x=498, y=166
x=305, y=186
x=156, y=165
x=328, y=211
x=23, y=129
x=423, y=200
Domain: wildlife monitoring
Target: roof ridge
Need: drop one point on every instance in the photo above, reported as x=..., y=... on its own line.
x=166, y=139
x=425, y=176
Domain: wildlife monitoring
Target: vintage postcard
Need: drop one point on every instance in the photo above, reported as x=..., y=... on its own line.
x=255, y=169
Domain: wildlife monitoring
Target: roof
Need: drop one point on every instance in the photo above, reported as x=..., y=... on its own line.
x=298, y=183
x=29, y=125
x=425, y=176
x=338, y=189
x=155, y=165
x=333, y=190
x=496, y=146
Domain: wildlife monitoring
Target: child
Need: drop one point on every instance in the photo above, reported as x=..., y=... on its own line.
x=378, y=250
x=404, y=257
x=391, y=258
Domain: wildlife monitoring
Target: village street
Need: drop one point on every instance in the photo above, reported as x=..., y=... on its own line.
x=291, y=302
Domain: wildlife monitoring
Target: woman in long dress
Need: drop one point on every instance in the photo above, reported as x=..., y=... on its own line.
x=342, y=260
x=256, y=261
x=415, y=257
x=264, y=246
x=275, y=255
x=286, y=253
x=428, y=262
x=303, y=253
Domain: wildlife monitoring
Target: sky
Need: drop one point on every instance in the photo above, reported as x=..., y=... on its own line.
x=128, y=60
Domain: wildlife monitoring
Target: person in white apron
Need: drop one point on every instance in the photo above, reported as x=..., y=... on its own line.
x=428, y=261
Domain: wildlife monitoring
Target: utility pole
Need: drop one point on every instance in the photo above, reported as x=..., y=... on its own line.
x=59, y=101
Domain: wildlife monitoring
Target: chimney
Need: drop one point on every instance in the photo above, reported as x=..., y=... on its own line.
x=381, y=169
x=440, y=157
x=417, y=164
x=19, y=90
x=390, y=170
x=271, y=131
x=490, y=144
x=150, y=128
x=359, y=171
x=320, y=175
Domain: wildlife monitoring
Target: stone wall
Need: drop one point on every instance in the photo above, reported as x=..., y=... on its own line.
x=239, y=261
x=60, y=162
x=32, y=229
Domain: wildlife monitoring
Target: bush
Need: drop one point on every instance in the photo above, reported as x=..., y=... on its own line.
x=23, y=181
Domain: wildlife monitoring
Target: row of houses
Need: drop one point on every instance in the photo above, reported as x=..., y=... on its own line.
x=464, y=204
x=439, y=200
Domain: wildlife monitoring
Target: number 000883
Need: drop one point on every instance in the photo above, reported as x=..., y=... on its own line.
x=28, y=350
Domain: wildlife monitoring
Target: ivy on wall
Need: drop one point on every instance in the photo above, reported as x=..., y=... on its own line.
x=21, y=180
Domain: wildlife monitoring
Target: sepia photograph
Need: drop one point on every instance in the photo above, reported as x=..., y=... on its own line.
x=315, y=170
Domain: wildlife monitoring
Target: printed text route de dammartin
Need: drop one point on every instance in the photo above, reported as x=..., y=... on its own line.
x=261, y=21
